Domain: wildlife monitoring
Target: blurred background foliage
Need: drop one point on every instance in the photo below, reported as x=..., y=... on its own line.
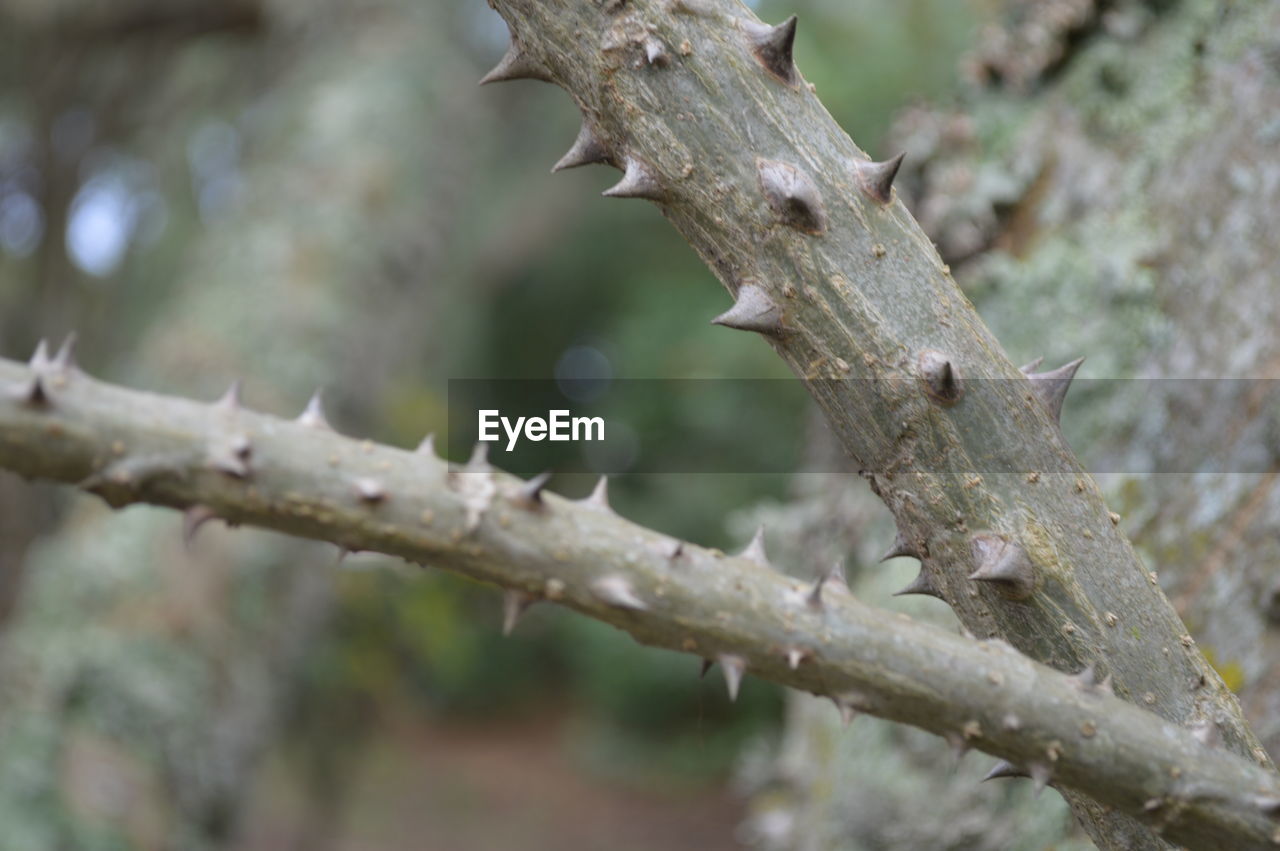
x=317, y=194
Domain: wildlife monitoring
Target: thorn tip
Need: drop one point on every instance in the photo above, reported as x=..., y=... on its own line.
x=876, y=178
x=774, y=47
x=753, y=310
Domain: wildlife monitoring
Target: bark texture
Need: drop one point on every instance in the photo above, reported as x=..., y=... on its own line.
x=302, y=478
x=699, y=105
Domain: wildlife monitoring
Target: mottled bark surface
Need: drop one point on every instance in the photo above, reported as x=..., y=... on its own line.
x=791, y=216
x=1127, y=205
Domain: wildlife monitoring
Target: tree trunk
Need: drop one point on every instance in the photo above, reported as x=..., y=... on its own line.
x=701, y=107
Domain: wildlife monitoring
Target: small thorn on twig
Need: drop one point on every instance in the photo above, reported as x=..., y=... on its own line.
x=877, y=178
x=1052, y=386
x=599, y=496
x=192, y=519
x=514, y=604
x=616, y=591
x=638, y=181
x=753, y=310
x=734, y=667
x=1003, y=769
x=530, y=495
x=848, y=704
x=902, y=547
x=940, y=378
x=230, y=401
x=313, y=415
x=515, y=64
x=834, y=574
x=1005, y=564
x=922, y=584
x=65, y=360
x=40, y=357
x=754, y=551
x=587, y=150
x=774, y=48
x=1041, y=776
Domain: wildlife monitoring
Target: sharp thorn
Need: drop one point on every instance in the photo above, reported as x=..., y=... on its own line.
x=638, y=181
x=876, y=178
x=587, y=150
x=902, y=548
x=192, y=519
x=1040, y=776
x=40, y=357
x=1003, y=563
x=774, y=47
x=755, y=550
x=65, y=359
x=848, y=704
x=515, y=64
x=753, y=310
x=230, y=401
x=313, y=415
x=427, y=446
x=514, y=604
x=616, y=591
x=1028, y=368
x=792, y=195
x=796, y=655
x=599, y=497
x=1052, y=386
x=1003, y=769
x=707, y=665
x=940, y=378
x=833, y=573
x=734, y=667
x=922, y=584
x=531, y=491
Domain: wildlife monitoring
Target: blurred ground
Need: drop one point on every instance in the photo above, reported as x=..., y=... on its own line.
x=458, y=785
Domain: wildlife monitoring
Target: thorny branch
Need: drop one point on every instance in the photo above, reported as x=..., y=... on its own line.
x=702, y=108
x=300, y=477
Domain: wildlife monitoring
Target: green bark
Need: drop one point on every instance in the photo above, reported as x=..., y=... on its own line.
x=783, y=207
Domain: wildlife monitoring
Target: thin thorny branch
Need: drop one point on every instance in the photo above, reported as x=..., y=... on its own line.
x=300, y=477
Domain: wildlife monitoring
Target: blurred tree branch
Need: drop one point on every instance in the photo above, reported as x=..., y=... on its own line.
x=302, y=478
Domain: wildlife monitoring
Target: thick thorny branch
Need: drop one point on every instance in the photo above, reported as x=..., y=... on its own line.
x=298, y=476
x=703, y=110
